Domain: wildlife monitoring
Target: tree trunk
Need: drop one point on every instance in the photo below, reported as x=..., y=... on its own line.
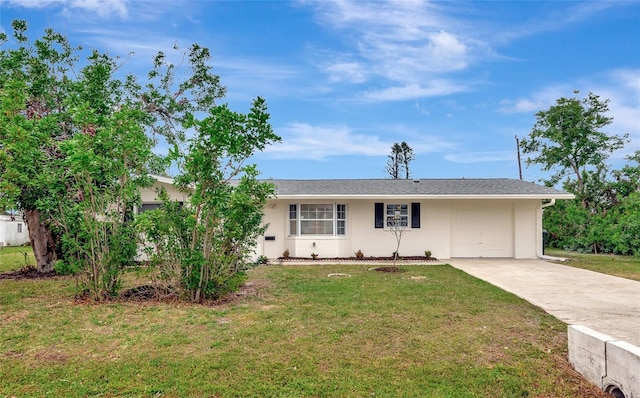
x=42, y=240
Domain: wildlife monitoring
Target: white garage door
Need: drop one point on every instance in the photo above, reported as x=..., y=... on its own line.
x=482, y=231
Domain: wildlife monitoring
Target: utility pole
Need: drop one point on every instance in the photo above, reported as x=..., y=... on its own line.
x=519, y=162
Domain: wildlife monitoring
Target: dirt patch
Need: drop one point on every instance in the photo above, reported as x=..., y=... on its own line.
x=147, y=292
x=388, y=269
x=15, y=317
x=247, y=289
x=151, y=293
x=582, y=389
x=50, y=356
x=27, y=273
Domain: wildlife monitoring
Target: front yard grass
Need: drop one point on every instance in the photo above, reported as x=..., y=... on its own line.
x=293, y=331
x=622, y=266
x=15, y=257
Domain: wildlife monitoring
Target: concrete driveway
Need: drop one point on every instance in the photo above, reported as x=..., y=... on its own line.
x=604, y=303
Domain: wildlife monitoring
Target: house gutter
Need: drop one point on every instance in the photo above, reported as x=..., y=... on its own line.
x=382, y=197
x=539, y=253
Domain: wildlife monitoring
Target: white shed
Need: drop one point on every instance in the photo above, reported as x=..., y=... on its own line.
x=13, y=230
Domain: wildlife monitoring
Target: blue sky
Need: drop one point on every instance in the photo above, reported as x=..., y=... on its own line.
x=345, y=79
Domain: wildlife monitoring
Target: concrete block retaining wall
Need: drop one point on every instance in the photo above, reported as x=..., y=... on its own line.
x=613, y=365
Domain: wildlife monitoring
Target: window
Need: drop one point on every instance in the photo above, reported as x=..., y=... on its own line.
x=19, y=227
x=397, y=215
x=318, y=219
x=152, y=206
x=148, y=206
x=341, y=219
x=293, y=219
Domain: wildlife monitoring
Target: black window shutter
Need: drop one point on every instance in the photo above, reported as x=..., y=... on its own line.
x=379, y=215
x=415, y=215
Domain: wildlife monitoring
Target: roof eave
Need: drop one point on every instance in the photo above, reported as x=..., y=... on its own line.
x=429, y=196
x=162, y=179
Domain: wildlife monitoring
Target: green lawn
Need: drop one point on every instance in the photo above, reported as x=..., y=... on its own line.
x=622, y=266
x=431, y=331
x=13, y=257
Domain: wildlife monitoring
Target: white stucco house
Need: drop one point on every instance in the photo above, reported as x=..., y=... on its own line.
x=13, y=230
x=449, y=217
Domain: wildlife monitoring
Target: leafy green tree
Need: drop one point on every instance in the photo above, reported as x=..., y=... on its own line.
x=627, y=180
x=610, y=223
x=203, y=248
x=106, y=167
x=33, y=93
x=623, y=228
x=171, y=102
x=74, y=153
x=567, y=138
x=76, y=146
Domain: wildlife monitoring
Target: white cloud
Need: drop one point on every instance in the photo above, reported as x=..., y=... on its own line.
x=620, y=86
x=245, y=78
x=259, y=67
x=415, y=90
x=100, y=7
x=519, y=105
x=346, y=71
x=401, y=44
x=136, y=10
x=480, y=157
x=421, y=110
x=537, y=101
x=404, y=43
x=557, y=18
x=306, y=141
x=448, y=48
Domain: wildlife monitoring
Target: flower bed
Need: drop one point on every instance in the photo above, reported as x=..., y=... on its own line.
x=364, y=259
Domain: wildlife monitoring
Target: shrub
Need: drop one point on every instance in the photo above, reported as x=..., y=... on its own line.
x=66, y=268
x=359, y=254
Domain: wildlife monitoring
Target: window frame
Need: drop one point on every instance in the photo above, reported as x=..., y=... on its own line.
x=150, y=206
x=293, y=221
x=401, y=210
x=383, y=212
x=338, y=219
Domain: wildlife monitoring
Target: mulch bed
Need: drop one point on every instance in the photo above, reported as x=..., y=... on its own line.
x=27, y=273
x=145, y=292
x=151, y=293
x=365, y=259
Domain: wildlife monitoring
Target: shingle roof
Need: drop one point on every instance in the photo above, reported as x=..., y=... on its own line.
x=494, y=187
